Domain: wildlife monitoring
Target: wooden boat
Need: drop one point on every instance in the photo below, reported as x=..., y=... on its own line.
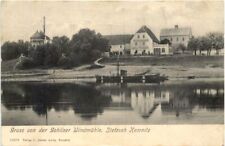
x=122, y=77
x=154, y=78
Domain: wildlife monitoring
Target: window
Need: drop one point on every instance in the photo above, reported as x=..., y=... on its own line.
x=143, y=43
x=136, y=43
x=183, y=38
x=138, y=36
x=171, y=39
x=177, y=39
x=143, y=36
x=120, y=46
x=163, y=50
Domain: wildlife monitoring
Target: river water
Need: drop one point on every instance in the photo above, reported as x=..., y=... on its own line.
x=172, y=102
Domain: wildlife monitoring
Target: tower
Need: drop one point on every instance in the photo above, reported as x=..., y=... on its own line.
x=44, y=28
x=44, y=25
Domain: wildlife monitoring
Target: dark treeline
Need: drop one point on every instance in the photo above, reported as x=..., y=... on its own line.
x=84, y=47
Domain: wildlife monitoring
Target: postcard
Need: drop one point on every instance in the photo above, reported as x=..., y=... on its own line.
x=112, y=73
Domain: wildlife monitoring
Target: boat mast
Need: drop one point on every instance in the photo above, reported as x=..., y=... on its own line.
x=118, y=65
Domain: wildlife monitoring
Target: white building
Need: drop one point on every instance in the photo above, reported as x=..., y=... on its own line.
x=214, y=52
x=143, y=42
x=39, y=38
x=176, y=35
x=119, y=43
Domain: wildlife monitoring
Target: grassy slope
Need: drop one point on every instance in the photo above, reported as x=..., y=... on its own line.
x=187, y=61
x=8, y=65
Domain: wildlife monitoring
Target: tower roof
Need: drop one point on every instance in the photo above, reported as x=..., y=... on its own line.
x=118, y=39
x=39, y=35
x=149, y=32
x=176, y=31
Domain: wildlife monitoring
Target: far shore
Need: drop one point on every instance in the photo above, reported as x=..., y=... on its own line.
x=181, y=68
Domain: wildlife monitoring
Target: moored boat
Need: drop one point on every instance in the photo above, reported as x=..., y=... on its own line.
x=154, y=78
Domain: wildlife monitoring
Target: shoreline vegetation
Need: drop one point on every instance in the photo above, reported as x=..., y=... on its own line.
x=175, y=67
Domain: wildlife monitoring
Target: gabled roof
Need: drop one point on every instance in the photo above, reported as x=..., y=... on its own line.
x=39, y=35
x=149, y=32
x=175, y=31
x=118, y=39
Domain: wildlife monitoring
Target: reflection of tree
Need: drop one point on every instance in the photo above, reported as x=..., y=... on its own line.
x=207, y=100
x=85, y=100
x=185, y=98
x=27, y=94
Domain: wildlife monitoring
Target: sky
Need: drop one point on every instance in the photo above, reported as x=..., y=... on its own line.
x=19, y=20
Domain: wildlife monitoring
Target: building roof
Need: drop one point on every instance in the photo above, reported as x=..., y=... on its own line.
x=176, y=31
x=39, y=35
x=149, y=32
x=118, y=39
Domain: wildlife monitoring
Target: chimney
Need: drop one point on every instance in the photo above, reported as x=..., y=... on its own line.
x=176, y=26
x=44, y=25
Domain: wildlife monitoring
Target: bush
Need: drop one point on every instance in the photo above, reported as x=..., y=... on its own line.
x=12, y=50
x=64, y=62
x=24, y=63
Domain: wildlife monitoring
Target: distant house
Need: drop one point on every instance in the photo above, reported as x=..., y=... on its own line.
x=176, y=35
x=143, y=42
x=39, y=38
x=119, y=43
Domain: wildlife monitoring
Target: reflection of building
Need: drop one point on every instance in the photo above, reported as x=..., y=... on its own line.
x=145, y=102
x=142, y=101
x=177, y=105
x=209, y=92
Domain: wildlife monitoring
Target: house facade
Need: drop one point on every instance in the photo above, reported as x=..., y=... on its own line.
x=119, y=44
x=143, y=42
x=176, y=35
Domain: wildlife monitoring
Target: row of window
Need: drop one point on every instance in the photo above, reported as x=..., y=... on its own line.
x=163, y=50
x=143, y=36
x=171, y=39
x=136, y=43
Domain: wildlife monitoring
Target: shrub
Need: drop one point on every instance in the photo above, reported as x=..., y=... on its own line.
x=64, y=62
x=24, y=63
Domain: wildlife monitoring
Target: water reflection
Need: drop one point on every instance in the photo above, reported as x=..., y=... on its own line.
x=111, y=103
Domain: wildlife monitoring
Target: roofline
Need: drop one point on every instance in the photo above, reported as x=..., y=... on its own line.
x=176, y=28
x=173, y=35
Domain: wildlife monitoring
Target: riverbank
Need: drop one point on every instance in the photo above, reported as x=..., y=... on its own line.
x=180, y=67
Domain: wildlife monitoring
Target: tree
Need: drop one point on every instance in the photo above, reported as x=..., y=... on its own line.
x=38, y=55
x=45, y=55
x=9, y=50
x=193, y=45
x=205, y=44
x=216, y=40
x=87, y=46
x=23, y=47
x=52, y=55
x=165, y=41
x=62, y=43
x=181, y=47
x=12, y=50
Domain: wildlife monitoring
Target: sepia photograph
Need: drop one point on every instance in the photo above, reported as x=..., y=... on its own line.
x=112, y=63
